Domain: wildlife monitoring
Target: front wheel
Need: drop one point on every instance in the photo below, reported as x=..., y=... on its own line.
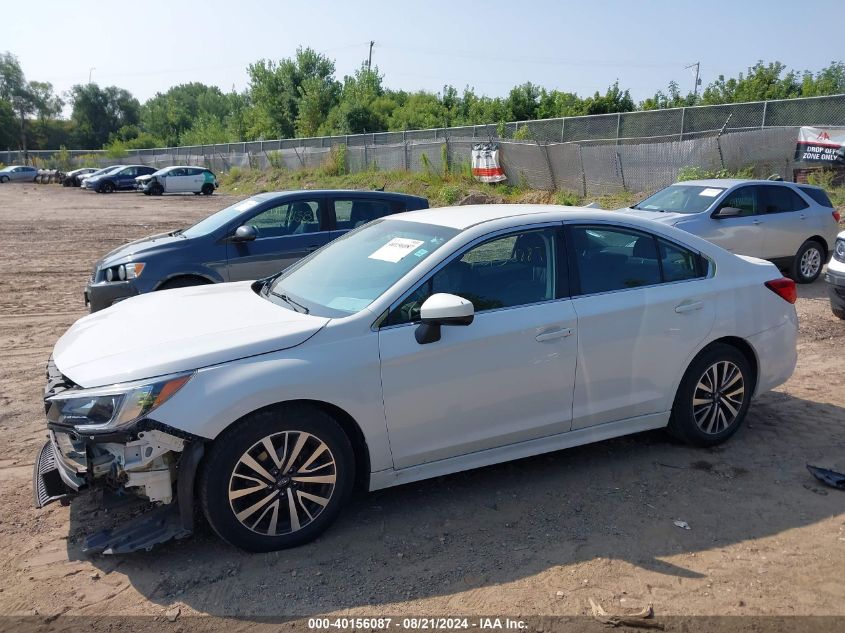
x=808, y=262
x=107, y=187
x=713, y=396
x=277, y=479
x=4, y=179
x=156, y=189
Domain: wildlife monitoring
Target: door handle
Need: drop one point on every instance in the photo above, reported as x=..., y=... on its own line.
x=689, y=307
x=553, y=334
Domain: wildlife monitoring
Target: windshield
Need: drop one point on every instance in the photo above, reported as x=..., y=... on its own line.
x=354, y=270
x=221, y=218
x=681, y=199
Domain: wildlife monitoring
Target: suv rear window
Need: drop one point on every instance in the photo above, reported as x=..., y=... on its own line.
x=819, y=195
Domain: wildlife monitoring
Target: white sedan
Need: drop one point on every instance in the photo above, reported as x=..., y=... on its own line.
x=418, y=345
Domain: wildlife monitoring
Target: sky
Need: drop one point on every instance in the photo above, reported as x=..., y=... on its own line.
x=581, y=47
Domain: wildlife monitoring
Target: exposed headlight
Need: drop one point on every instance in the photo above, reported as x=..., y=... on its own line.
x=839, y=250
x=114, y=406
x=124, y=271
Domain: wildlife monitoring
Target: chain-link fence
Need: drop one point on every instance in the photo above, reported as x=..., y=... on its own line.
x=631, y=151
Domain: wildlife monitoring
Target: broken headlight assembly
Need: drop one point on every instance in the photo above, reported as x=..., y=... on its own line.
x=114, y=406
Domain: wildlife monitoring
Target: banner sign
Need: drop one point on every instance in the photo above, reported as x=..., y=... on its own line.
x=485, y=163
x=821, y=145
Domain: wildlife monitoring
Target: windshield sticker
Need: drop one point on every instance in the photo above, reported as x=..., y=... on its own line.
x=710, y=192
x=396, y=249
x=246, y=205
x=421, y=253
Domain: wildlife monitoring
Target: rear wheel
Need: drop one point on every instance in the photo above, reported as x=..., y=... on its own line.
x=808, y=262
x=207, y=189
x=713, y=397
x=277, y=479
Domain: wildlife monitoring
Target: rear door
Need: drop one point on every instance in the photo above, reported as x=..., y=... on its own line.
x=644, y=304
x=193, y=179
x=788, y=221
x=287, y=232
x=125, y=178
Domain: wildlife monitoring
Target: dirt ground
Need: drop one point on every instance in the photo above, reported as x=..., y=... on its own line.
x=538, y=536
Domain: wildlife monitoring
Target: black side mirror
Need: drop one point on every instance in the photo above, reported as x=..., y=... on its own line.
x=729, y=212
x=245, y=233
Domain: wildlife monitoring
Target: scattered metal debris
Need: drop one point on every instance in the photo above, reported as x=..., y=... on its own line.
x=641, y=619
x=828, y=477
x=682, y=524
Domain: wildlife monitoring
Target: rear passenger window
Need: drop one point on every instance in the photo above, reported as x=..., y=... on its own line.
x=781, y=200
x=350, y=214
x=819, y=195
x=614, y=258
x=678, y=263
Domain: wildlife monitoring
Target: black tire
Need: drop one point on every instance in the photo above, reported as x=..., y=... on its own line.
x=837, y=312
x=4, y=179
x=106, y=187
x=183, y=282
x=156, y=189
x=196, y=193
x=285, y=426
x=691, y=420
x=207, y=189
x=808, y=262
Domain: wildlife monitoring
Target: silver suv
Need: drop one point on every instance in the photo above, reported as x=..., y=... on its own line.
x=792, y=225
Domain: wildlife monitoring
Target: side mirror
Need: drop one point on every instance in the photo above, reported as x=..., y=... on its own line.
x=442, y=309
x=245, y=233
x=729, y=212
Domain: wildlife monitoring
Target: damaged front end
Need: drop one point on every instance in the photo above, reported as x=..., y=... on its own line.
x=104, y=439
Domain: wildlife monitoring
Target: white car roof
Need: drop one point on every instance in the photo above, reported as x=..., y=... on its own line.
x=464, y=217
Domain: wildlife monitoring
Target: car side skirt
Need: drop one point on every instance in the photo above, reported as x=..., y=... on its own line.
x=391, y=477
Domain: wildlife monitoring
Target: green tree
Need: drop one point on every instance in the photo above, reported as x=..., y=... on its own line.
x=276, y=90
x=7, y=125
x=421, y=110
x=170, y=114
x=26, y=98
x=98, y=113
x=760, y=83
x=614, y=100
x=828, y=81
x=523, y=102
x=670, y=99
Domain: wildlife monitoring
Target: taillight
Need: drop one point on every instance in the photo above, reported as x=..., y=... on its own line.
x=836, y=216
x=784, y=288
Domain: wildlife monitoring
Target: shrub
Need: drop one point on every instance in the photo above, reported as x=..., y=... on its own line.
x=335, y=162
x=567, y=198
x=523, y=134
x=235, y=174
x=275, y=159
x=449, y=194
x=821, y=178
x=692, y=172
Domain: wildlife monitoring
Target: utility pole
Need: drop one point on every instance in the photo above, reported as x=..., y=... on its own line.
x=370, y=58
x=90, y=70
x=697, y=66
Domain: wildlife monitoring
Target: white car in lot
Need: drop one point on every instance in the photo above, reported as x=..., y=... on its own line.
x=418, y=345
x=793, y=225
x=178, y=179
x=835, y=277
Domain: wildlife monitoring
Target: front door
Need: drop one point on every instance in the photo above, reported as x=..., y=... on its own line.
x=287, y=232
x=640, y=317
x=505, y=378
x=741, y=234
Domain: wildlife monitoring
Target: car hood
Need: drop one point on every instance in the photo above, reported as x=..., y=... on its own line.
x=666, y=217
x=144, y=178
x=178, y=330
x=130, y=250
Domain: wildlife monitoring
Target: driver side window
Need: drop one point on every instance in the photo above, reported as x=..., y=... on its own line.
x=504, y=272
x=290, y=218
x=744, y=198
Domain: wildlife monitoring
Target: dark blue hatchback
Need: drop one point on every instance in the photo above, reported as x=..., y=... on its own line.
x=251, y=239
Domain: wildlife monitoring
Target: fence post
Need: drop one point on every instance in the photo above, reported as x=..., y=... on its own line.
x=683, y=116
x=763, y=123
x=583, y=175
x=562, y=128
x=621, y=172
x=618, y=125
x=549, y=165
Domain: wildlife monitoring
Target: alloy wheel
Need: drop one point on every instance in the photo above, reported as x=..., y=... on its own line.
x=282, y=483
x=811, y=262
x=718, y=397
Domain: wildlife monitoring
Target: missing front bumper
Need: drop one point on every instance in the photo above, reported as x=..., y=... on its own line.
x=48, y=484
